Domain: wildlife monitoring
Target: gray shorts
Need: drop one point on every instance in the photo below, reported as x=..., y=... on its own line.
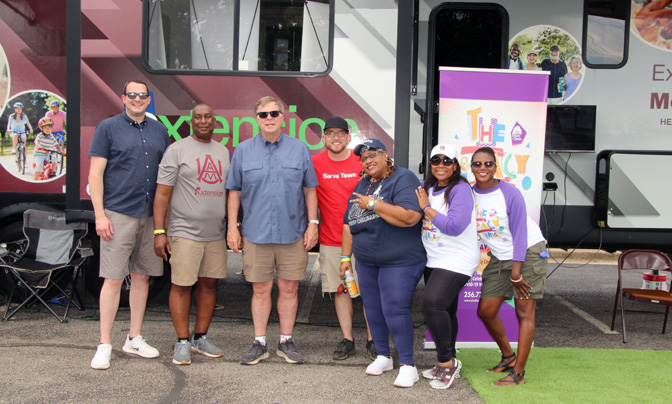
x=497, y=275
x=131, y=248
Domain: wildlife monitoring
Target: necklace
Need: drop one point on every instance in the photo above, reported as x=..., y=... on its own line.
x=380, y=184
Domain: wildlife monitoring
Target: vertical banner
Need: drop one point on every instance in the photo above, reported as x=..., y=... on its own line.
x=505, y=110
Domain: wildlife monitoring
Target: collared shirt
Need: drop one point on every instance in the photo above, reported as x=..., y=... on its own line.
x=271, y=178
x=133, y=152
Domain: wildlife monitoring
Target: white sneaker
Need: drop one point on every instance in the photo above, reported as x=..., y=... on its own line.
x=101, y=360
x=380, y=365
x=408, y=376
x=138, y=346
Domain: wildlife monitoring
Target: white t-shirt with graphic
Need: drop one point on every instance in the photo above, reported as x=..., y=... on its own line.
x=197, y=172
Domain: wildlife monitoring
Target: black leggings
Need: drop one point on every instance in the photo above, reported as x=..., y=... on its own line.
x=439, y=304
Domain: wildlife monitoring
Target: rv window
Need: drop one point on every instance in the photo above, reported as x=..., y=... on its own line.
x=605, y=33
x=261, y=37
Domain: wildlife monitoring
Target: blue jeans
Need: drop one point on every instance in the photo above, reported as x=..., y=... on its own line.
x=387, y=293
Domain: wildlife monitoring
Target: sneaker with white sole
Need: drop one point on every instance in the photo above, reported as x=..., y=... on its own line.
x=205, y=347
x=101, y=360
x=445, y=377
x=407, y=377
x=182, y=353
x=138, y=346
x=256, y=354
x=287, y=351
x=434, y=372
x=380, y=365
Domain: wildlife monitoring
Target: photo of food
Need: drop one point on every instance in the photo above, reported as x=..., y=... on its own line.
x=652, y=22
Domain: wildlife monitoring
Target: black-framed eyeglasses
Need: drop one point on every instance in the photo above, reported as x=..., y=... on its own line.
x=332, y=134
x=478, y=164
x=143, y=96
x=371, y=156
x=273, y=114
x=436, y=160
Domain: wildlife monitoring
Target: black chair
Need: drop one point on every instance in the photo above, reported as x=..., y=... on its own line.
x=641, y=260
x=48, y=260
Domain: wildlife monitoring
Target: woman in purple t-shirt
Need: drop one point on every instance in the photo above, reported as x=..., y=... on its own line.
x=517, y=267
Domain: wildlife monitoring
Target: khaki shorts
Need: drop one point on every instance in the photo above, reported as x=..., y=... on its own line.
x=261, y=260
x=497, y=275
x=190, y=260
x=329, y=263
x=131, y=248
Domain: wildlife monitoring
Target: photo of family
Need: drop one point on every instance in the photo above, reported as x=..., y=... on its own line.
x=33, y=138
x=548, y=48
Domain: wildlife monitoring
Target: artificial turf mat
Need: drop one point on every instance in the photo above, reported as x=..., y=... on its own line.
x=574, y=375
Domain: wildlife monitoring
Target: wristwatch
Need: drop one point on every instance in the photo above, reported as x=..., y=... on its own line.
x=314, y=221
x=369, y=205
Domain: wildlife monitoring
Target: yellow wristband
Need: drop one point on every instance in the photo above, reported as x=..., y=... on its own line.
x=159, y=231
x=345, y=259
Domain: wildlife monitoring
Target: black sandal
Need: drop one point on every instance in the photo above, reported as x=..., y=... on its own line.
x=516, y=378
x=504, y=365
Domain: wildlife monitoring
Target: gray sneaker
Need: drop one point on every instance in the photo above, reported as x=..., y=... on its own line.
x=286, y=350
x=205, y=347
x=257, y=353
x=182, y=353
x=344, y=349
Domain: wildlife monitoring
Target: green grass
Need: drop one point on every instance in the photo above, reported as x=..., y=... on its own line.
x=573, y=375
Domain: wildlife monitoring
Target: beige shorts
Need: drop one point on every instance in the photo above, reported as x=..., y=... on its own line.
x=190, y=260
x=329, y=263
x=261, y=260
x=497, y=275
x=131, y=248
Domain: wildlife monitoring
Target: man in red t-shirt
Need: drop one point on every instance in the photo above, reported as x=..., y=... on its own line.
x=337, y=171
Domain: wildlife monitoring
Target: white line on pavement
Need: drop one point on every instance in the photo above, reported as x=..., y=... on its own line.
x=592, y=320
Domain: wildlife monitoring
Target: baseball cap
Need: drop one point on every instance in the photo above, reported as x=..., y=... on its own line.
x=369, y=144
x=337, y=122
x=555, y=48
x=445, y=149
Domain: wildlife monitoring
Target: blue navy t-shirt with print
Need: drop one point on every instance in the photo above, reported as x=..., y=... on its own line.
x=376, y=242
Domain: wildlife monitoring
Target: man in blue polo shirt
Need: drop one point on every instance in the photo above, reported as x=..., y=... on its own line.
x=273, y=178
x=125, y=154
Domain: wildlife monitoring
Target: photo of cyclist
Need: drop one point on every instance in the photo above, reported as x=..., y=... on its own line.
x=58, y=117
x=16, y=125
x=45, y=143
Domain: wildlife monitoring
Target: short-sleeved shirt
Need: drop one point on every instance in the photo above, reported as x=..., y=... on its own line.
x=337, y=180
x=133, y=152
x=44, y=143
x=271, y=178
x=376, y=242
x=17, y=125
x=58, y=119
x=197, y=172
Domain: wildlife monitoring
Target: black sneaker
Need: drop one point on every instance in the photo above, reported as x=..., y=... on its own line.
x=371, y=349
x=287, y=351
x=344, y=349
x=257, y=353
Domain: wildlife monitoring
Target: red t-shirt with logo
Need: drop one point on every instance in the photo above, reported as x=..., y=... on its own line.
x=337, y=181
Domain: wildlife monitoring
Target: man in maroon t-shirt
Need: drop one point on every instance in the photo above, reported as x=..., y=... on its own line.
x=337, y=171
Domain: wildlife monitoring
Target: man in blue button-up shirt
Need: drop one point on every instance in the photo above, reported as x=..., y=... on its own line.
x=273, y=179
x=125, y=154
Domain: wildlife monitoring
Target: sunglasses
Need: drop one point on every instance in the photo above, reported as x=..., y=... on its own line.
x=143, y=96
x=478, y=164
x=331, y=134
x=436, y=160
x=264, y=115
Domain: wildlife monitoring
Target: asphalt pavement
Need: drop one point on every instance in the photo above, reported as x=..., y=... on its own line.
x=42, y=360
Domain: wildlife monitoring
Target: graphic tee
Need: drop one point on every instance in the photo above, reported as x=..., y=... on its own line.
x=197, y=171
x=337, y=181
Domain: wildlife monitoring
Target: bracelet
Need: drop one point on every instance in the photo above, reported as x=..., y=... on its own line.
x=345, y=259
x=373, y=207
x=519, y=279
x=428, y=206
x=345, y=256
x=159, y=231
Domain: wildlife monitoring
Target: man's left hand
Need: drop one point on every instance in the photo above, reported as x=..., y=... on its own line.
x=310, y=236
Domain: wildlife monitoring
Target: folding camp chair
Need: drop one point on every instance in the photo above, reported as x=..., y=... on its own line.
x=48, y=259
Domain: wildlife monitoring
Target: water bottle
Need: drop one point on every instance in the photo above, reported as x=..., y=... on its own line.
x=561, y=85
x=353, y=290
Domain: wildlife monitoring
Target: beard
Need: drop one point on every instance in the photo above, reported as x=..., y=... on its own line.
x=555, y=58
